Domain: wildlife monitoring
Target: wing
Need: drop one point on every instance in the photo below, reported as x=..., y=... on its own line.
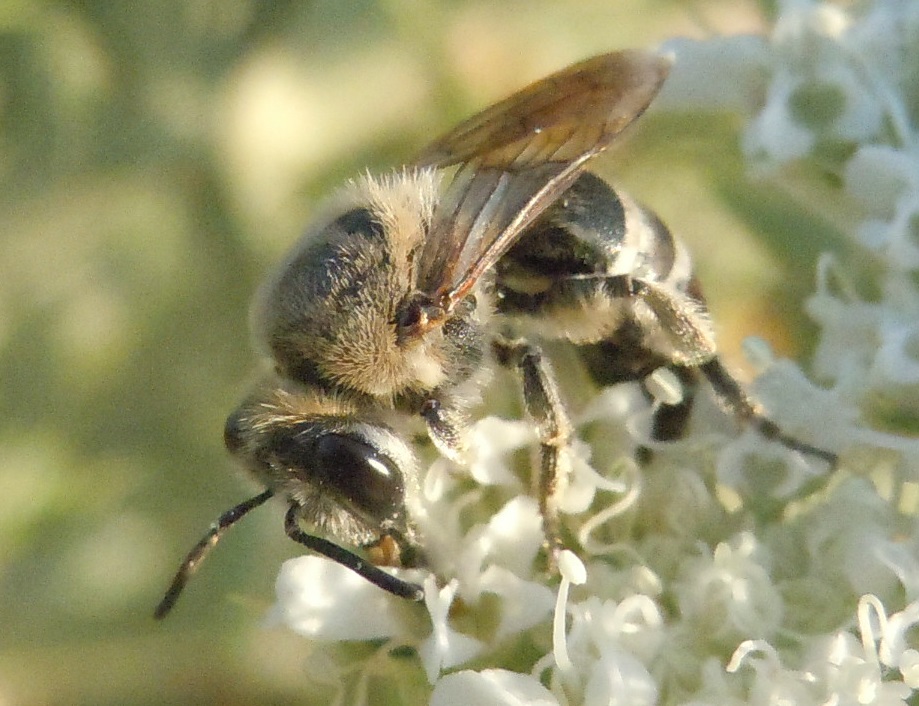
x=516, y=157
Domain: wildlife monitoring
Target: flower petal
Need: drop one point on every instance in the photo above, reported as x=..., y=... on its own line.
x=323, y=600
x=491, y=687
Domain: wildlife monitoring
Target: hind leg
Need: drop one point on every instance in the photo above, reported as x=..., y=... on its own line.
x=673, y=333
x=735, y=400
x=628, y=360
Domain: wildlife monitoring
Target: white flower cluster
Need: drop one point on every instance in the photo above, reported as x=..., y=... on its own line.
x=727, y=572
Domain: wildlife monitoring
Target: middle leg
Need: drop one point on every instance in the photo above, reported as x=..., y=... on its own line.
x=543, y=405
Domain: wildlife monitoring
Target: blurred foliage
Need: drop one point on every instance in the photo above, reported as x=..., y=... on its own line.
x=155, y=159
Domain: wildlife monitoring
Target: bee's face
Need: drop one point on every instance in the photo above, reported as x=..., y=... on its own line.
x=351, y=478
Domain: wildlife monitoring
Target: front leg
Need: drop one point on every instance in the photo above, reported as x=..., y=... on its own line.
x=446, y=429
x=544, y=406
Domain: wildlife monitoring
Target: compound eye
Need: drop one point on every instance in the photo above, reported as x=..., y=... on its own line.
x=365, y=478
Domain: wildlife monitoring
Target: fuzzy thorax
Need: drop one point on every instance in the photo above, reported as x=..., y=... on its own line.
x=329, y=314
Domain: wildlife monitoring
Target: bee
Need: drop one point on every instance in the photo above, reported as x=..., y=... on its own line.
x=399, y=301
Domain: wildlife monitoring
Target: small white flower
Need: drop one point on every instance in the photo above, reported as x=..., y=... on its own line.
x=891, y=635
x=842, y=538
x=849, y=329
x=897, y=359
x=831, y=84
x=775, y=136
x=491, y=687
x=618, y=679
x=860, y=683
x=728, y=595
x=772, y=682
x=909, y=668
x=445, y=647
x=524, y=604
x=901, y=556
x=490, y=441
x=878, y=176
x=323, y=600
x=512, y=538
x=603, y=657
x=514, y=535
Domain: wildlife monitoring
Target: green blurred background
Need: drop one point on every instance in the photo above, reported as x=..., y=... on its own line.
x=155, y=159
